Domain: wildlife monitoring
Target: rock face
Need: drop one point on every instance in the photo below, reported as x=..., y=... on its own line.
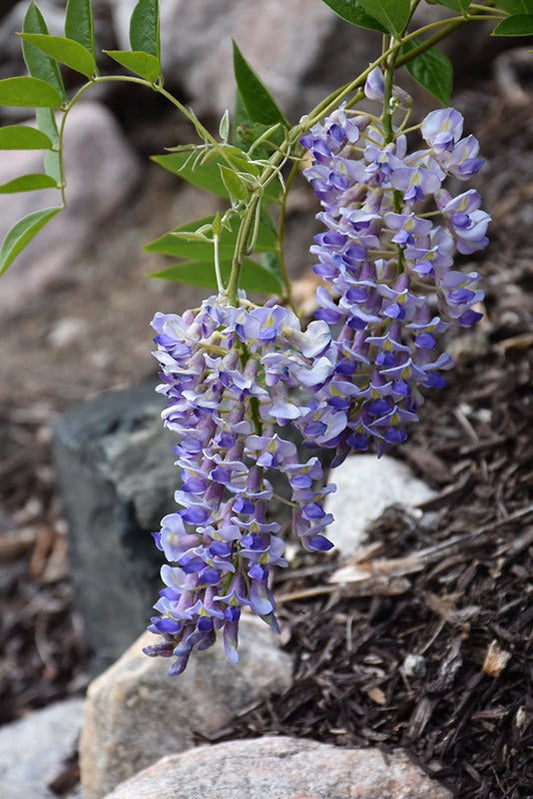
x=101, y=169
x=33, y=750
x=281, y=768
x=365, y=487
x=135, y=712
x=117, y=479
x=196, y=46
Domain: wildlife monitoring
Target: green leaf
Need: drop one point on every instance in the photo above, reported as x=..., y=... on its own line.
x=393, y=14
x=234, y=184
x=28, y=183
x=144, y=28
x=143, y=64
x=254, y=277
x=461, y=6
x=455, y=5
x=516, y=6
x=172, y=245
x=206, y=176
x=39, y=64
x=79, y=24
x=28, y=92
x=21, y=137
x=46, y=122
x=258, y=101
x=67, y=51
x=432, y=69
x=22, y=233
x=518, y=25
x=352, y=11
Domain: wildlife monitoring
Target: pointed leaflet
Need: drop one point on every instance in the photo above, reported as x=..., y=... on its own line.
x=177, y=247
x=432, y=69
x=144, y=28
x=29, y=93
x=28, y=183
x=518, y=25
x=143, y=64
x=21, y=137
x=235, y=186
x=67, y=51
x=79, y=24
x=39, y=64
x=22, y=233
x=352, y=11
x=254, y=277
x=206, y=176
x=46, y=122
x=393, y=14
x=245, y=133
x=257, y=100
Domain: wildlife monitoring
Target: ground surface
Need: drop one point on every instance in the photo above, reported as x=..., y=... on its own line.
x=466, y=718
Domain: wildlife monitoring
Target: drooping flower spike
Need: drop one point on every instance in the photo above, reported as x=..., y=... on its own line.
x=387, y=256
x=227, y=380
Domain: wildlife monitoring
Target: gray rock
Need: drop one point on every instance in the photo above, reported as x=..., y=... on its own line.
x=33, y=749
x=117, y=479
x=10, y=45
x=367, y=485
x=135, y=712
x=281, y=768
x=197, y=52
x=101, y=169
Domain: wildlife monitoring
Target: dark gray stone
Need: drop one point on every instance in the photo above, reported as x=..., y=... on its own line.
x=117, y=479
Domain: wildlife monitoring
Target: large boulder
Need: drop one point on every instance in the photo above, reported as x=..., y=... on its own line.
x=135, y=712
x=281, y=768
x=117, y=479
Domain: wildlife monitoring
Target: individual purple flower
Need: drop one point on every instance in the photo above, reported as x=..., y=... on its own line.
x=375, y=85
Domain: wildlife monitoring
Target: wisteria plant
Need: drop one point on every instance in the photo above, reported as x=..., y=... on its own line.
x=244, y=379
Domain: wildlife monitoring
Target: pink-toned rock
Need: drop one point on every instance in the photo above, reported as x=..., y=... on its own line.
x=281, y=768
x=135, y=712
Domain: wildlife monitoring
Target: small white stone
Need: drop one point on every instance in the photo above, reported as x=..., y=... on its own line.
x=366, y=485
x=414, y=666
x=33, y=750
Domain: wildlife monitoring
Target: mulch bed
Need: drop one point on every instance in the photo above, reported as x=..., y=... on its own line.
x=428, y=647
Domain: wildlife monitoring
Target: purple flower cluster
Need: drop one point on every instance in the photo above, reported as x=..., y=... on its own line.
x=227, y=377
x=388, y=257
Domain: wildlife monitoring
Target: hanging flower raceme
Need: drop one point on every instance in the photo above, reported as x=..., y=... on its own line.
x=227, y=376
x=392, y=232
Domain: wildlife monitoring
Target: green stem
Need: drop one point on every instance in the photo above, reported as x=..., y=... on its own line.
x=281, y=232
x=240, y=247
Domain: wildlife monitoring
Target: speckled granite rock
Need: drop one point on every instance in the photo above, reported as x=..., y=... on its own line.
x=281, y=768
x=135, y=713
